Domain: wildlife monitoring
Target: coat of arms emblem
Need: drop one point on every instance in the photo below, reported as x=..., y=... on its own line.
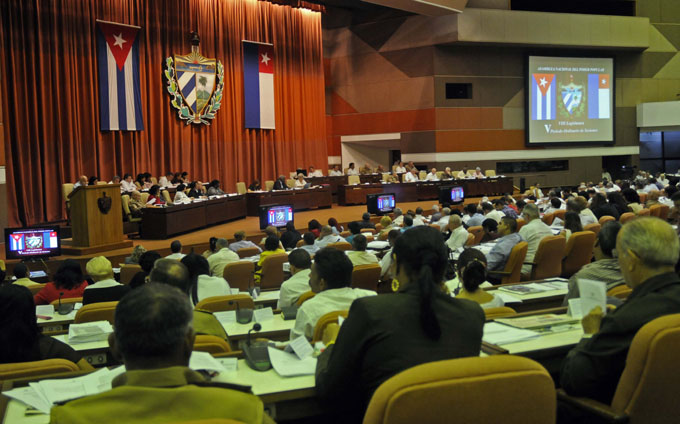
x=104, y=203
x=195, y=84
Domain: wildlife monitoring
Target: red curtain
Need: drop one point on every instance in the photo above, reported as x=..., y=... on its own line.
x=50, y=89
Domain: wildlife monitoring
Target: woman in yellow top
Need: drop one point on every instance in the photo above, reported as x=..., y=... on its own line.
x=271, y=247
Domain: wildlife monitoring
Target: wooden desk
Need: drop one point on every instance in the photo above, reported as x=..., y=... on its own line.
x=57, y=323
x=276, y=329
x=96, y=353
x=162, y=223
x=304, y=198
x=335, y=182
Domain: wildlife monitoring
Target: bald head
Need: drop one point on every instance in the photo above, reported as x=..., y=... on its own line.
x=171, y=272
x=83, y=179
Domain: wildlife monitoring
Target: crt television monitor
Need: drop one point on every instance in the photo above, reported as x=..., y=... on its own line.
x=276, y=216
x=380, y=204
x=451, y=195
x=28, y=243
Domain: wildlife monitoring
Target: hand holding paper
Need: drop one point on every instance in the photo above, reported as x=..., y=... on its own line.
x=591, y=322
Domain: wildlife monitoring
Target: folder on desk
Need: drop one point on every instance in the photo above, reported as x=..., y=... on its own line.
x=538, y=321
x=500, y=334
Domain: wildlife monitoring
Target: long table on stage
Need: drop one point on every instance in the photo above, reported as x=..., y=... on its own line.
x=423, y=190
x=161, y=223
x=303, y=198
x=340, y=180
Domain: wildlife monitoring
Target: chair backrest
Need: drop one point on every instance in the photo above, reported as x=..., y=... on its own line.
x=651, y=369
x=246, y=252
x=341, y=245
x=239, y=274
x=145, y=196
x=226, y=303
x=211, y=344
x=241, y=187
x=353, y=179
x=36, y=368
x=423, y=394
x=290, y=183
x=100, y=311
x=625, y=217
x=366, y=276
x=577, y=252
x=514, y=263
x=594, y=227
x=643, y=212
x=499, y=312
x=664, y=211
x=383, y=236
x=478, y=232
x=269, y=185
x=520, y=223
x=422, y=175
x=127, y=271
x=560, y=214
x=490, y=173
x=322, y=323
x=305, y=296
x=166, y=196
x=67, y=300
x=606, y=218
x=655, y=210
x=548, y=218
x=125, y=202
x=439, y=174
x=620, y=292
x=272, y=271
x=35, y=288
x=300, y=243
x=643, y=198
x=368, y=230
x=548, y=258
x=470, y=240
x=66, y=189
x=345, y=234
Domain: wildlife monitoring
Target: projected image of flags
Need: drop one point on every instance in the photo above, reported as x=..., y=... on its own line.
x=598, y=96
x=16, y=242
x=258, y=85
x=543, y=97
x=120, y=101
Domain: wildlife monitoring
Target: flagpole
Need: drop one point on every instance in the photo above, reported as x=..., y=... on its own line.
x=118, y=23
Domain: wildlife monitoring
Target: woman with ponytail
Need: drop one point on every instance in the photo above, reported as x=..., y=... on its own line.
x=472, y=273
x=386, y=334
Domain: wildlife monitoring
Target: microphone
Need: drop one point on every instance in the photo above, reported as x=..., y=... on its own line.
x=66, y=308
x=257, y=354
x=243, y=316
x=256, y=327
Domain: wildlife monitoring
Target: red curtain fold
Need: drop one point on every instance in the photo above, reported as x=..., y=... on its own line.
x=51, y=111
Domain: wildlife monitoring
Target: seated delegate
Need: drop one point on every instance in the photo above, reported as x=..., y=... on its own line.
x=68, y=283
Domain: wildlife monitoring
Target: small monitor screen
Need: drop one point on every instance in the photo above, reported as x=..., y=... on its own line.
x=276, y=216
x=380, y=203
x=451, y=195
x=24, y=243
x=457, y=194
x=385, y=203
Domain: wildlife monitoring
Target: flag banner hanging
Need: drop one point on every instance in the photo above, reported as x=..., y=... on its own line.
x=258, y=85
x=544, y=96
x=598, y=96
x=120, y=100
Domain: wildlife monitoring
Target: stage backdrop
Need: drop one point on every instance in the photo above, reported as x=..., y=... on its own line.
x=51, y=107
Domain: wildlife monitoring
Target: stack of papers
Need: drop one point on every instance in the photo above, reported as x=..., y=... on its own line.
x=537, y=321
x=95, y=331
x=500, y=334
x=378, y=245
x=289, y=365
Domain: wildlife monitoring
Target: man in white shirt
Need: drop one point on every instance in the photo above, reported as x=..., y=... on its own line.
x=351, y=170
x=398, y=217
x=326, y=236
x=221, y=258
x=432, y=175
x=459, y=234
x=206, y=285
x=419, y=219
x=330, y=278
x=176, y=249
x=411, y=177
x=127, y=185
x=291, y=289
x=462, y=174
x=241, y=242
x=314, y=172
x=335, y=172
x=533, y=232
x=309, y=246
x=400, y=169
x=82, y=182
x=490, y=212
x=359, y=256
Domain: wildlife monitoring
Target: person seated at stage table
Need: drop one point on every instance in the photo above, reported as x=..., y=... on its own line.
x=82, y=182
x=154, y=197
x=127, y=185
x=300, y=266
x=214, y=188
x=447, y=175
x=196, y=189
x=146, y=261
x=105, y=288
x=154, y=336
x=366, y=169
x=290, y=237
x=330, y=278
x=336, y=171
x=203, y=285
x=309, y=245
x=326, y=236
x=180, y=196
x=115, y=180
x=242, y=243
x=93, y=180
x=136, y=254
x=184, y=177
x=479, y=173
x=272, y=246
x=647, y=251
x=359, y=255
x=21, y=274
x=165, y=180
x=463, y=173
x=68, y=283
x=384, y=335
x=409, y=166
x=471, y=273
x=399, y=168
x=459, y=234
x=300, y=181
x=280, y=183
x=314, y=227
x=411, y=176
x=432, y=175
x=21, y=339
x=500, y=252
x=392, y=178
x=337, y=228
x=351, y=170
x=176, y=178
x=175, y=251
x=221, y=257
x=136, y=204
x=255, y=185
x=314, y=172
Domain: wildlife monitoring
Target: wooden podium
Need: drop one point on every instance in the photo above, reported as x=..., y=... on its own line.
x=96, y=220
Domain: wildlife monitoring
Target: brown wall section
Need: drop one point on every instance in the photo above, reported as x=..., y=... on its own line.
x=479, y=140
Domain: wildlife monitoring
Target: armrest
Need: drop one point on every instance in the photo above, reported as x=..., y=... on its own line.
x=593, y=407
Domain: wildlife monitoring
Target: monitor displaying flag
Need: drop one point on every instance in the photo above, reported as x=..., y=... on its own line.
x=120, y=104
x=258, y=85
x=543, y=94
x=17, y=242
x=598, y=96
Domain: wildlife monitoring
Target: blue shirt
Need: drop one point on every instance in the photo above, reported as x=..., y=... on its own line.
x=475, y=220
x=508, y=211
x=500, y=253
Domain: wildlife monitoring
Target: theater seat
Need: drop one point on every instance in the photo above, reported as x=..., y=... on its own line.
x=247, y=252
x=240, y=274
x=269, y=185
x=513, y=267
x=478, y=232
x=324, y=321
x=241, y=187
x=272, y=271
x=36, y=368
x=100, y=311
x=577, y=252
x=548, y=259
x=490, y=173
x=366, y=276
x=595, y=228
x=304, y=297
x=128, y=271
x=212, y=344
x=499, y=312
x=625, y=217
x=470, y=240
x=341, y=245
x=226, y=303
x=606, y=218
x=467, y=390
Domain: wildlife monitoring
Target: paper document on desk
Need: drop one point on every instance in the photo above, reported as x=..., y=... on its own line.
x=204, y=361
x=95, y=331
x=289, y=365
x=30, y=397
x=537, y=321
x=520, y=289
x=500, y=334
x=592, y=294
x=507, y=297
x=225, y=317
x=378, y=244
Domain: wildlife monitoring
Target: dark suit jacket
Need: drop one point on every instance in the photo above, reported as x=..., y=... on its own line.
x=106, y=294
x=280, y=185
x=289, y=239
x=382, y=336
x=593, y=368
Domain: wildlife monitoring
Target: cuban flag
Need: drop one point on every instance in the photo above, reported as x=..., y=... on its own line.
x=543, y=97
x=50, y=239
x=598, y=96
x=17, y=242
x=258, y=85
x=120, y=100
